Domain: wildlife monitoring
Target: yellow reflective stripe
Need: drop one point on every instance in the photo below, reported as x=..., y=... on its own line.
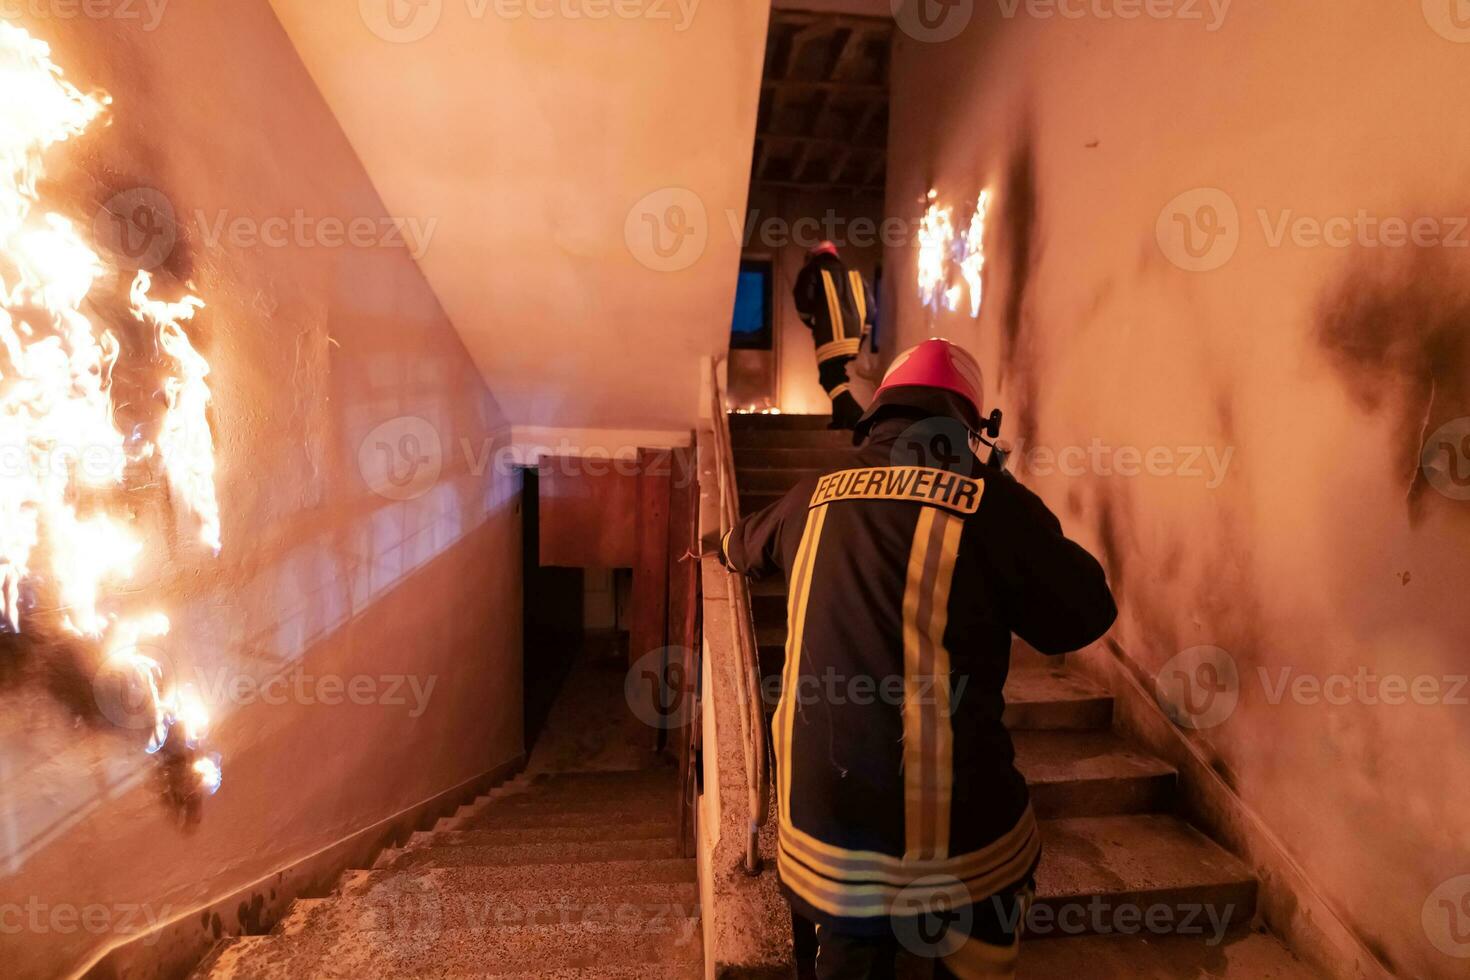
x=915, y=843
x=796, y=602
x=939, y=689
x=834, y=306
x=1010, y=854
x=859, y=296
x=928, y=736
x=870, y=898
x=839, y=348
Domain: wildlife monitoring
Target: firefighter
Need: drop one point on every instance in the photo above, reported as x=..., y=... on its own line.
x=904, y=828
x=837, y=306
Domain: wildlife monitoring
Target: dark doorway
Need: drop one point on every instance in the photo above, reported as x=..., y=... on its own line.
x=552, y=608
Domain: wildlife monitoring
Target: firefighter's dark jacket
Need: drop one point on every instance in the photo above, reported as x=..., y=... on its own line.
x=895, y=775
x=836, y=304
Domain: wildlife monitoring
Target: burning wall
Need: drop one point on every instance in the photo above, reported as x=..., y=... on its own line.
x=1226, y=313
x=263, y=437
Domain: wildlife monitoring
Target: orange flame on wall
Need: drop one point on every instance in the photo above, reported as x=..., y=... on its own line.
x=64, y=457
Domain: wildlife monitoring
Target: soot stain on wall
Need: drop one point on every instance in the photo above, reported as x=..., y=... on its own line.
x=1019, y=229
x=1397, y=334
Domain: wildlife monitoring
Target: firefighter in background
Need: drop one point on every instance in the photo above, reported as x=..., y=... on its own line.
x=910, y=567
x=836, y=304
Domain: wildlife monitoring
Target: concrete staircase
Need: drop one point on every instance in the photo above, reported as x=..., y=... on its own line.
x=1125, y=887
x=561, y=874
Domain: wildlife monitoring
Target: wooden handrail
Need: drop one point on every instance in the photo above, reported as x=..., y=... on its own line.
x=747, y=676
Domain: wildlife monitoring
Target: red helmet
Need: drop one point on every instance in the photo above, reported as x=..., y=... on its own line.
x=937, y=363
x=925, y=377
x=823, y=248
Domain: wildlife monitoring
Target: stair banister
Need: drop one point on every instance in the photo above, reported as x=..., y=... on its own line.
x=748, y=677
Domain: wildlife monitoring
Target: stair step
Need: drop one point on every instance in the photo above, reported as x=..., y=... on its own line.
x=458, y=837
x=791, y=459
x=792, y=439
x=752, y=502
x=1085, y=774
x=774, y=481
x=745, y=422
x=1110, y=874
x=421, y=908
x=501, y=816
x=1055, y=699
x=495, y=855
x=496, y=951
x=1245, y=956
x=561, y=877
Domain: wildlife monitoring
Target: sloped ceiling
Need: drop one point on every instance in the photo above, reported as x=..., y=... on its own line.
x=545, y=142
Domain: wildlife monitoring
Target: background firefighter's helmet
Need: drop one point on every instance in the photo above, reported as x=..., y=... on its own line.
x=822, y=248
x=935, y=377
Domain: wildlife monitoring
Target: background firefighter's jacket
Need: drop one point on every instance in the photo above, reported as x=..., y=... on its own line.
x=836, y=305
x=905, y=583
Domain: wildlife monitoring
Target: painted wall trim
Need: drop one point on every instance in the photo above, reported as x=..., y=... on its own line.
x=529, y=443
x=174, y=948
x=1290, y=903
